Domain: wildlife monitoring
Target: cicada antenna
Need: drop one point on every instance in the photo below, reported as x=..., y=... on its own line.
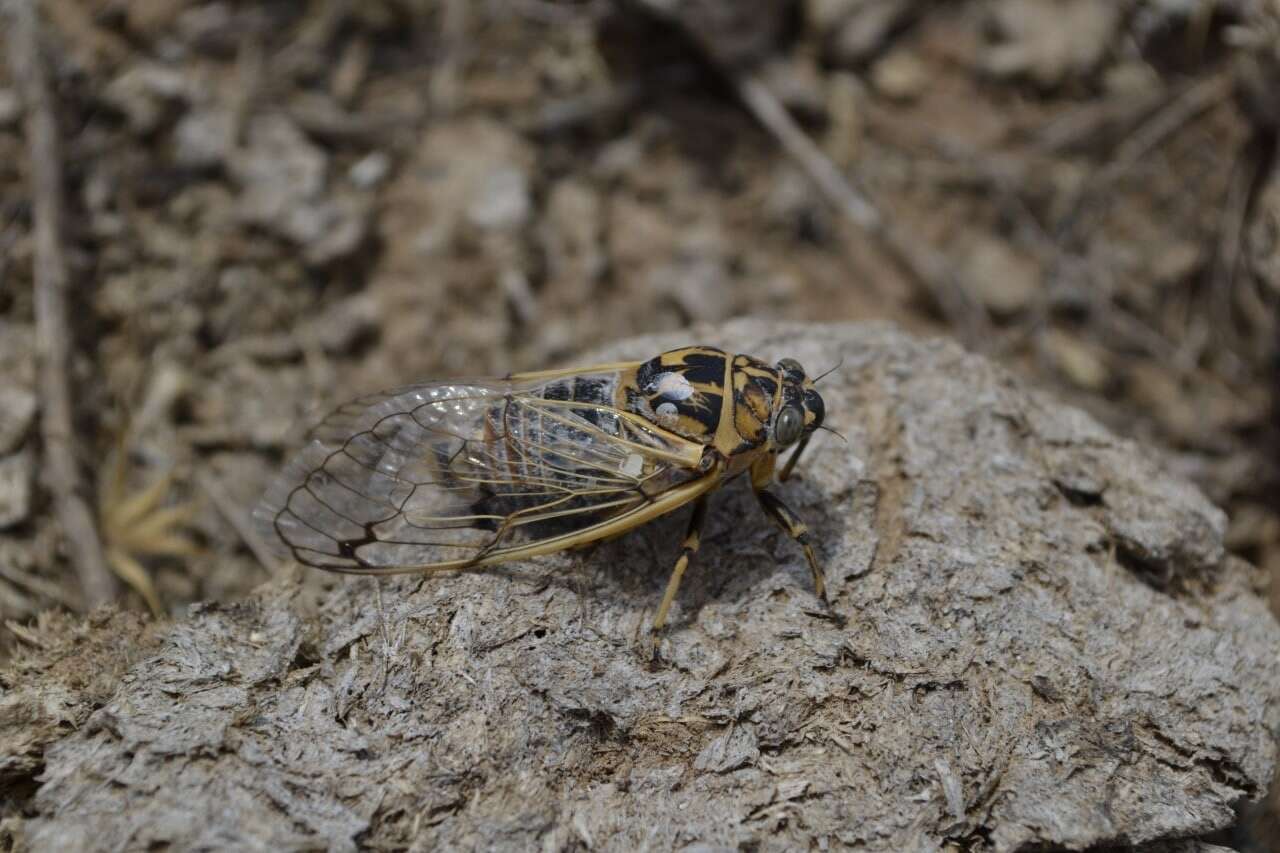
x=833, y=432
x=825, y=372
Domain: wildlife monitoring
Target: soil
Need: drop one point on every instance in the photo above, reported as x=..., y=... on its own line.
x=272, y=208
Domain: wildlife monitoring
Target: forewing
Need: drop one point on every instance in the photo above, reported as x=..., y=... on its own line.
x=454, y=474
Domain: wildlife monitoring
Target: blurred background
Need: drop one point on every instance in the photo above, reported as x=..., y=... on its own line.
x=273, y=207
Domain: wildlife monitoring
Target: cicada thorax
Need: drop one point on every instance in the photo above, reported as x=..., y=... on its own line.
x=682, y=391
x=706, y=395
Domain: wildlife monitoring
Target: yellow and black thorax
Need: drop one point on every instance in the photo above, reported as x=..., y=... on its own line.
x=709, y=396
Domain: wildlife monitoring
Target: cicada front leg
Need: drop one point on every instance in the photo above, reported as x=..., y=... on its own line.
x=786, y=518
x=785, y=473
x=797, y=530
x=692, y=541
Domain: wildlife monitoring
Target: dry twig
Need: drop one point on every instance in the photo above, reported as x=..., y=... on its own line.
x=925, y=265
x=234, y=515
x=1181, y=110
x=1154, y=131
x=53, y=338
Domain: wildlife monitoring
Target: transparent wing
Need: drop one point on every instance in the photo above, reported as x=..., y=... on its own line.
x=455, y=474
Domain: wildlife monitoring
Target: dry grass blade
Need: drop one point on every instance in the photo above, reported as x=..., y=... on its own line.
x=53, y=336
x=138, y=525
x=132, y=572
x=33, y=583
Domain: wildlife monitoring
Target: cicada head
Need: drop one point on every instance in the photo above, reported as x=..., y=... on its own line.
x=801, y=409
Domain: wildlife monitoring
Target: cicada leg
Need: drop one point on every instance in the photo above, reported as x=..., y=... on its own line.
x=797, y=530
x=785, y=473
x=692, y=540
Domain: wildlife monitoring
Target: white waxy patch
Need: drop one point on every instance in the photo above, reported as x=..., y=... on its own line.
x=666, y=414
x=634, y=465
x=673, y=386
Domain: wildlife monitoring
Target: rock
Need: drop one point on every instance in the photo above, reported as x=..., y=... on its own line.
x=278, y=169
x=1036, y=639
x=900, y=76
x=1256, y=68
x=282, y=176
x=1188, y=845
x=204, y=138
x=697, y=276
x=10, y=108
x=344, y=324
x=797, y=84
x=1004, y=279
x=333, y=228
x=792, y=204
x=15, y=489
x=143, y=91
x=18, y=353
x=466, y=173
x=865, y=33
x=572, y=240
x=17, y=411
x=1083, y=365
x=1176, y=261
x=463, y=192
x=1130, y=79
x=370, y=170
x=699, y=285
x=737, y=32
x=822, y=16
x=681, y=256
x=1049, y=41
x=1262, y=238
x=501, y=201
x=61, y=668
x=149, y=18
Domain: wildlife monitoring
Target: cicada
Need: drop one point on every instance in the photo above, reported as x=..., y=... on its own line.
x=463, y=474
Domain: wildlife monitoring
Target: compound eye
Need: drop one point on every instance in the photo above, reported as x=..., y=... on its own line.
x=813, y=402
x=788, y=427
x=791, y=369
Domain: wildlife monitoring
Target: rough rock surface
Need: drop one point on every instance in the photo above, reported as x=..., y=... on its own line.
x=1035, y=639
